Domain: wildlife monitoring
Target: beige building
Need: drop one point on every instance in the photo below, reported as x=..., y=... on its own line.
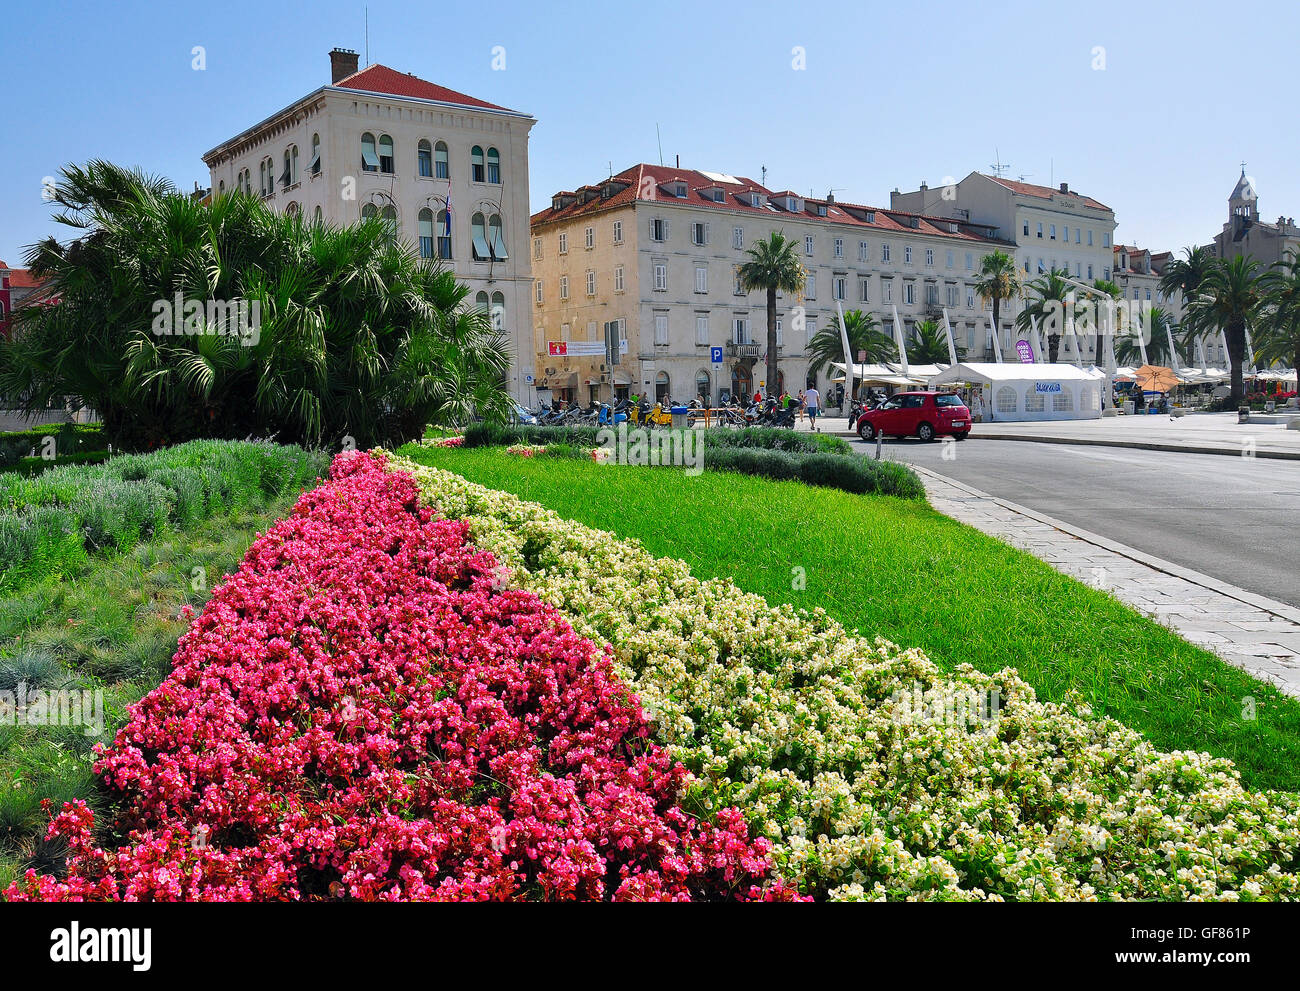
x=378, y=142
x=1051, y=228
x=637, y=290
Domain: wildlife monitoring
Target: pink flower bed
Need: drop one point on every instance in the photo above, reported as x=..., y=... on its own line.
x=360, y=713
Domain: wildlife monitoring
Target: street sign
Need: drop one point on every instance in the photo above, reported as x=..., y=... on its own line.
x=715, y=355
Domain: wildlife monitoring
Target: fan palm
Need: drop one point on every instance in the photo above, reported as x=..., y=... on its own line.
x=355, y=336
x=773, y=266
x=1183, y=277
x=998, y=280
x=865, y=335
x=1230, y=296
x=1158, y=322
x=1103, y=328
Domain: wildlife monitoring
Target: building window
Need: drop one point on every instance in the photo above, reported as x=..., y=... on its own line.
x=740, y=330
x=1040, y=230
x=1105, y=240
x=482, y=251
x=1065, y=233
x=618, y=232
x=496, y=238
x=539, y=292
x=389, y=215
x=907, y=255
x=808, y=244
x=537, y=249
x=970, y=299
x=441, y=163
x=386, y=154
x=864, y=290
x=424, y=159
x=661, y=387
x=704, y=386
x=1089, y=271
x=840, y=287
x=887, y=290
x=591, y=283
x=494, y=166
x=702, y=328
x=780, y=332
x=618, y=278
x=444, y=235
x=661, y=328
x=564, y=287
x=909, y=293
x=929, y=258
x=738, y=237
x=498, y=311
x=317, y=216
x=1090, y=238
x=661, y=277
x=369, y=159
x=884, y=252
x=951, y=295
x=564, y=242
x=864, y=251
x=1026, y=228
x=658, y=229
x=589, y=237
x=839, y=247
x=477, y=169
x=970, y=261
x=701, y=278
x=739, y=287
x=314, y=167
x=699, y=233
x=810, y=287
x=1006, y=400
x=932, y=294
x=425, y=221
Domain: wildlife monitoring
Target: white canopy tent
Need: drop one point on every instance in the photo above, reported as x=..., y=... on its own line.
x=1032, y=391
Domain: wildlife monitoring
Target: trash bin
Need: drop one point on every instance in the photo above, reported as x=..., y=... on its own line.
x=679, y=417
x=1129, y=407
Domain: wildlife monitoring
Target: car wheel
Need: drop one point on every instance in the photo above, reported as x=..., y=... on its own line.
x=961, y=435
x=925, y=432
x=866, y=430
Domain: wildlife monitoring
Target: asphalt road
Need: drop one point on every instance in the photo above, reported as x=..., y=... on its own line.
x=1235, y=519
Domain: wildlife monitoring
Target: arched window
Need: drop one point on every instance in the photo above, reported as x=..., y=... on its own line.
x=481, y=302
x=317, y=216
x=1033, y=401
x=476, y=164
x=1006, y=400
x=494, y=166
x=444, y=236
x=221, y=187
x=289, y=173
x=426, y=233
x=369, y=212
x=661, y=387
x=369, y=159
x=315, y=154
x=424, y=159
x=292, y=209
x=441, y=165
x=495, y=240
x=703, y=385
x=389, y=213
x=261, y=173
x=1063, y=401
x=498, y=311
x=385, y=154
x=478, y=235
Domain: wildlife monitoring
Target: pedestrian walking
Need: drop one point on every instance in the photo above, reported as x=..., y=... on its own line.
x=802, y=404
x=813, y=399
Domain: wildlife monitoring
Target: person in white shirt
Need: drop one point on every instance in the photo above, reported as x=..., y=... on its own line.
x=812, y=399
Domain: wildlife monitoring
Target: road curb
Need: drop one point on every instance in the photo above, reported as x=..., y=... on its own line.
x=1280, y=609
x=1137, y=445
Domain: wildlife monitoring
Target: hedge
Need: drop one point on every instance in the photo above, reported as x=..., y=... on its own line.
x=759, y=438
x=848, y=473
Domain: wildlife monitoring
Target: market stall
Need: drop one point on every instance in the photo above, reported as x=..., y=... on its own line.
x=1030, y=391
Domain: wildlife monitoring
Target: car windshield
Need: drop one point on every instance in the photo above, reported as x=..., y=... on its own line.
x=892, y=404
x=948, y=401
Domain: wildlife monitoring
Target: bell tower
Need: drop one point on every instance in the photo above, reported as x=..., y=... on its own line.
x=1243, y=204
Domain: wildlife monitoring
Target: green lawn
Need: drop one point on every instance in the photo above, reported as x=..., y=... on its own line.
x=114, y=628
x=903, y=571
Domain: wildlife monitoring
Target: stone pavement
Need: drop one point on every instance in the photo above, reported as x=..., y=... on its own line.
x=1258, y=635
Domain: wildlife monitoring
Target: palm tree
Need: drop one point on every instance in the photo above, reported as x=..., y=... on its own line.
x=1230, y=295
x=929, y=344
x=1280, y=329
x=1129, y=352
x=773, y=267
x=1115, y=293
x=865, y=335
x=1048, y=308
x=998, y=279
x=355, y=336
x=1184, y=276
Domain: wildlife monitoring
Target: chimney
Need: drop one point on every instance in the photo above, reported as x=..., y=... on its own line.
x=1065, y=187
x=343, y=63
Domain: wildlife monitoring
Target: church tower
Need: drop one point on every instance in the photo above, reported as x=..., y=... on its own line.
x=1243, y=205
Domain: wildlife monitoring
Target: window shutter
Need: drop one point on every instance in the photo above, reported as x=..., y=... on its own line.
x=707, y=235
x=667, y=229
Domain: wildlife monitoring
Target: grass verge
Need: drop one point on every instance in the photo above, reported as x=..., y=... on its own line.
x=899, y=569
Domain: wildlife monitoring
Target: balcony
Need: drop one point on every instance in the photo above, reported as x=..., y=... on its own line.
x=735, y=350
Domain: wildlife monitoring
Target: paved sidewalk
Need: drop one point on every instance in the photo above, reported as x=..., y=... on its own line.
x=1258, y=635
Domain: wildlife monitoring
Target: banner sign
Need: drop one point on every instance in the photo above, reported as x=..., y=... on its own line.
x=1026, y=352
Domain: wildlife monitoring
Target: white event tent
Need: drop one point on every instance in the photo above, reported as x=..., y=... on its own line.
x=1016, y=391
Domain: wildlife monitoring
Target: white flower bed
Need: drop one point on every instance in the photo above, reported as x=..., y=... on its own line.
x=819, y=736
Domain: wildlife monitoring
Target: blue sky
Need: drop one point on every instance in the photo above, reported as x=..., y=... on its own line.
x=891, y=94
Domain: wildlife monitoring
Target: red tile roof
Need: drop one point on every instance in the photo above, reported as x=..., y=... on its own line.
x=653, y=178
x=22, y=278
x=1043, y=192
x=382, y=79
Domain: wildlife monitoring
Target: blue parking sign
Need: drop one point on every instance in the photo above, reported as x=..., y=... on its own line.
x=715, y=355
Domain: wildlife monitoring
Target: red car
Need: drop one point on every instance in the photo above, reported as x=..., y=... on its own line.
x=920, y=414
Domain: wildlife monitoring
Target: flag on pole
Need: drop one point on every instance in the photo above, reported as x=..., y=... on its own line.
x=447, y=232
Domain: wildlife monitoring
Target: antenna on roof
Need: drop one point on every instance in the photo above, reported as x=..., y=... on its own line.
x=661, y=143
x=763, y=181
x=367, y=36
x=999, y=167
